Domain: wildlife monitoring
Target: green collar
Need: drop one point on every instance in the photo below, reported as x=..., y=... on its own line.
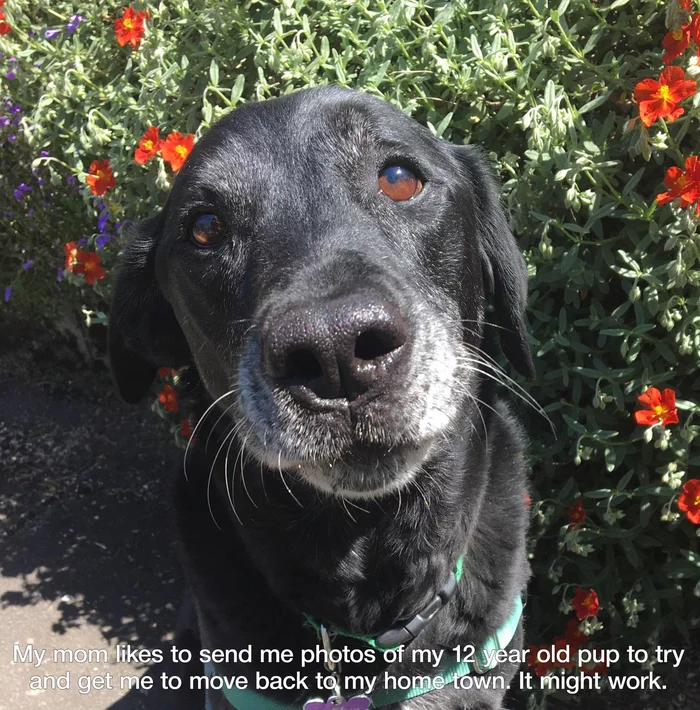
x=451, y=670
x=407, y=631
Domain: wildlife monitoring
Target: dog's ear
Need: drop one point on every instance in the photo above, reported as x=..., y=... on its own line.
x=143, y=331
x=504, y=269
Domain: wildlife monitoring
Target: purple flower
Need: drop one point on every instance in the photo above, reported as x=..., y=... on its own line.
x=30, y=213
x=8, y=293
x=12, y=74
x=71, y=179
x=82, y=242
x=103, y=240
x=40, y=181
x=19, y=192
x=102, y=221
x=12, y=137
x=44, y=154
x=73, y=23
x=59, y=274
x=4, y=121
x=52, y=34
x=28, y=264
x=15, y=109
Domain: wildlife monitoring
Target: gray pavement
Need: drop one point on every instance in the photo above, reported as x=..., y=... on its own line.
x=86, y=558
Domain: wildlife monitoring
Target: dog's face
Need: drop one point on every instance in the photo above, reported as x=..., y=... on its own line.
x=324, y=262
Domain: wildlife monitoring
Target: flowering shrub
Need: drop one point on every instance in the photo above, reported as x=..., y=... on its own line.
x=589, y=111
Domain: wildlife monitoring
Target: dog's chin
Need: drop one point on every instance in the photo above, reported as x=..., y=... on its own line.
x=364, y=472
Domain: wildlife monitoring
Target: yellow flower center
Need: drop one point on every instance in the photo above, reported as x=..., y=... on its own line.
x=148, y=145
x=659, y=410
x=677, y=34
x=181, y=150
x=682, y=181
x=696, y=502
x=100, y=174
x=664, y=93
x=129, y=23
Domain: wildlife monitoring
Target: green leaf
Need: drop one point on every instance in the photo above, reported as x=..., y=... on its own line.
x=214, y=73
x=595, y=103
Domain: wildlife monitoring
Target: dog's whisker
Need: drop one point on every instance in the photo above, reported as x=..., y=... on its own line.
x=286, y=485
x=230, y=487
x=198, y=425
x=216, y=423
x=211, y=473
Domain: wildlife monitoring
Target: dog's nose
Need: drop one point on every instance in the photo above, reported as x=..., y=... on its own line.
x=337, y=349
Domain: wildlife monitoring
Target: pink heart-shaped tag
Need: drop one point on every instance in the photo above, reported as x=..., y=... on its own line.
x=359, y=702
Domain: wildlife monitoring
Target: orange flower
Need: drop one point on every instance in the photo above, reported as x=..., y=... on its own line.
x=176, y=148
x=576, y=514
x=689, y=500
x=100, y=178
x=585, y=603
x=675, y=43
x=89, y=264
x=527, y=499
x=660, y=99
x=129, y=28
x=683, y=185
x=149, y=146
x=186, y=428
x=71, y=251
x=661, y=408
x=168, y=398
x=5, y=28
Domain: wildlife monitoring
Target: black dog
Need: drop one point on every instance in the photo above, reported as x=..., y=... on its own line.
x=324, y=265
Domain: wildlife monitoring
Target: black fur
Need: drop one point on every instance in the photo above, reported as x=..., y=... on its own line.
x=352, y=508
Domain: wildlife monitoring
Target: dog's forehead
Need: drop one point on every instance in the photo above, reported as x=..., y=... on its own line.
x=305, y=133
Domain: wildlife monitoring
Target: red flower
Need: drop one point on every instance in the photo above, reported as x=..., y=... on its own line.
x=599, y=668
x=683, y=185
x=149, y=146
x=684, y=4
x=689, y=500
x=695, y=28
x=560, y=642
x=176, y=148
x=527, y=499
x=100, y=178
x=660, y=99
x=5, y=28
x=541, y=667
x=89, y=264
x=129, y=28
x=168, y=398
x=661, y=408
x=675, y=43
x=71, y=251
x=585, y=603
x=165, y=372
x=575, y=637
x=186, y=428
x=576, y=514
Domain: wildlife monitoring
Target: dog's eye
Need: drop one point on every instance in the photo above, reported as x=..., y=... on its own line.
x=207, y=230
x=398, y=183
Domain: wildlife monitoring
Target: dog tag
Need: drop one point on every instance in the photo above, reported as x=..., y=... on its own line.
x=337, y=702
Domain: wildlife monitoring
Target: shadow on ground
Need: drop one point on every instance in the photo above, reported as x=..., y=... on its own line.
x=87, y=556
